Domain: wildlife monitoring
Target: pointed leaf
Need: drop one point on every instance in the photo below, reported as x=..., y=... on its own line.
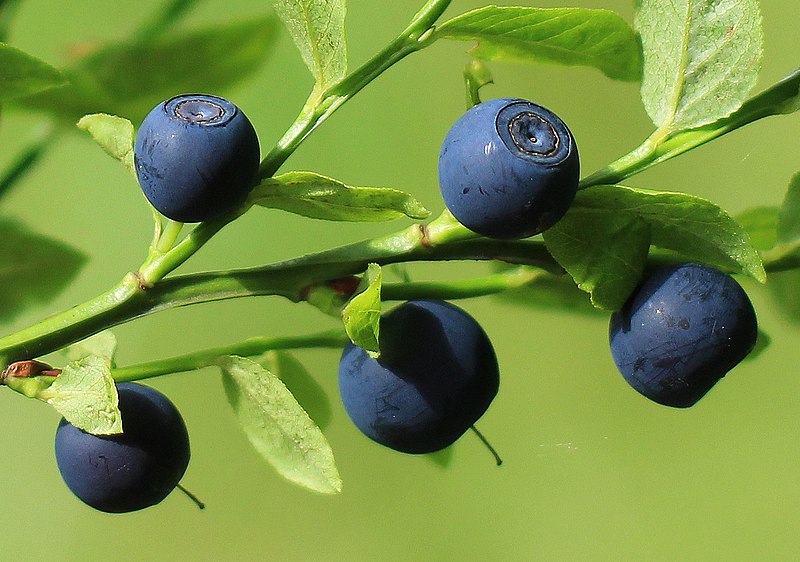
x=694, y=227
x=789, y=215
x=278, y=427
x=362, y=314
x=85, y=394
x=33, y=268
x=320, y=197
x=113, y=134
x=22, y=74
x=300, y=383
x=605, y=253
x=567, y=36
x=317, y=28
x=701, y=58
x=601, y=239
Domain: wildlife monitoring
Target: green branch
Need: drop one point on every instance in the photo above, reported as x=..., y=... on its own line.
x=335, y=339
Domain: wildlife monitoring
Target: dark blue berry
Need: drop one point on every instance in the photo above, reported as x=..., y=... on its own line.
x=437, y=374
x=196, y=157
x=135, y=469
x=681, y=331
x=508, y=168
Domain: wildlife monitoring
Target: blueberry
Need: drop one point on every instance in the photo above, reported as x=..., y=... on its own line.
x=681, y=331
x=196, y=156
x=508, y=168
x=135, y=469
x=437, y=374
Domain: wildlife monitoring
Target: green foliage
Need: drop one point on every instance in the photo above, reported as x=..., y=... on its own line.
x=701, y=59
x=566, y=36
x=603, y=239
x=317, y=28
x=305, y=388
x=23, y=75
x=362, y=314
x=278, y=427
x=33, y=268
x=113, y=134
x=131, y=77
x=85, y=394
x=320, y=197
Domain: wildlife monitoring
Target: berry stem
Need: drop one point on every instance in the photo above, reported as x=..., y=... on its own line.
x=488, y=445
x=191, y=495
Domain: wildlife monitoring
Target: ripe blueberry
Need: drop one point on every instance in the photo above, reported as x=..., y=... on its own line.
x=196, y=156
x=437, y=374
x=135, y=469
x=681, y=331
x=508, y=168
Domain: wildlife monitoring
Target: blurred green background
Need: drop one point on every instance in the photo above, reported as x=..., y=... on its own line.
x=592, y=470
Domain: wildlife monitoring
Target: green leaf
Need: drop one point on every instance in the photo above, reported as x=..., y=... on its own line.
x=761, y=225
x=278, y=427
x=113, y=134
x=601, y=239
x=605, y=253
x=130, y=78
x=789, y=215
x=23, y=75
x=566, y=36
x=102, y=344
x=301, y=384
x=33, y=268
x=320, y=197
x=85, y=394
x=362, y=314
x=701, y=58
x=317, y=28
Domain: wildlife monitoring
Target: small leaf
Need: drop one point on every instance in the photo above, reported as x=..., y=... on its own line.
x=320, y=197
x=278, y=427
x=701, y=58
x=601, y=238
x=300, y=383
x=129, y=78
x=113, y=134
x=761, y=225
x=789, y=214
x=33, y=268
x=317, y=28
x=85, y=394
x=23, y=75
x=604, y=253
x=102, y=344
x=567, y=36
x=362, y=314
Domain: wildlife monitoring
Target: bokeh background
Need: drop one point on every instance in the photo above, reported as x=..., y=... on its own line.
x=592, y=470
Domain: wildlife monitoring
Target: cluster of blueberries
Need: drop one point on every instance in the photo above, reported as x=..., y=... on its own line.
x=508, y=169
